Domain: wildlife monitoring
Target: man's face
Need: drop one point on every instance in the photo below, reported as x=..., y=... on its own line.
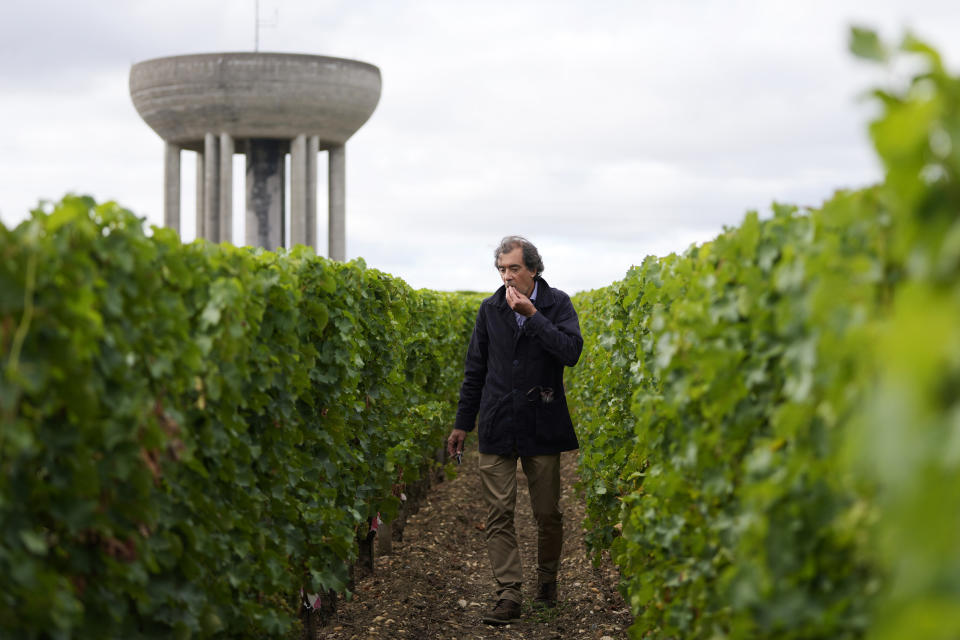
x=514, y=273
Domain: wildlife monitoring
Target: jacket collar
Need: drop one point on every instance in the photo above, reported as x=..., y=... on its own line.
x=544, y=299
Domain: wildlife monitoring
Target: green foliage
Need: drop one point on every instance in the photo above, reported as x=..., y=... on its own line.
x=770, y=446
x=192, y=432
x=906, y=440
x=771, y=443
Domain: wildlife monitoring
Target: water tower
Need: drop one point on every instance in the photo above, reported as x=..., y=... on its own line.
x=262, y=105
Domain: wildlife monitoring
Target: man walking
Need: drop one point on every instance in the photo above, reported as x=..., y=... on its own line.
x=525, y=334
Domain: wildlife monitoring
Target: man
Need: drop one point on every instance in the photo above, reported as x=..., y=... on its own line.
x=525, y=334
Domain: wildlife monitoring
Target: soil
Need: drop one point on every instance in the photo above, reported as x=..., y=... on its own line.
x=437, y=582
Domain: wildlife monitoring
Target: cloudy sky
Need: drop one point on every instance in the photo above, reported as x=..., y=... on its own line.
x=604, y=130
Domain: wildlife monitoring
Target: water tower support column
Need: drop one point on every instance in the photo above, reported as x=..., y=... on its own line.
x=171, y=187
x=313, y=148
x=298, y=190
x=211, y=188
x=201, y=226
x=226, y=188
x=265, y=187
x=337, y=177
x=303, y=191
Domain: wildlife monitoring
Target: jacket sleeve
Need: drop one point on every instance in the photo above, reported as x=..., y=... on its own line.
x=474, y=375
x=561, y=338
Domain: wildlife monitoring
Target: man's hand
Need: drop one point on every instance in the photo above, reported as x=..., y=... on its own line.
x=455, y=442
x=520, y=303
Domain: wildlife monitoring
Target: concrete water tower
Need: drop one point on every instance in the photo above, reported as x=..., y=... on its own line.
x=263, y=105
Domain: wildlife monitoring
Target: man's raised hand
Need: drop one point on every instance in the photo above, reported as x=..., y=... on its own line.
x=519, y=302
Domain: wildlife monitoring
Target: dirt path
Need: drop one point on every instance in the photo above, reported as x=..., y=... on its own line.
x=437, y=582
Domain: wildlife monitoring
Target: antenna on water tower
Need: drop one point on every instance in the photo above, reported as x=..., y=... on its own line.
x=258, y=23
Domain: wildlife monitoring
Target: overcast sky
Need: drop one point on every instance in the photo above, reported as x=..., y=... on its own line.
x=604, y=131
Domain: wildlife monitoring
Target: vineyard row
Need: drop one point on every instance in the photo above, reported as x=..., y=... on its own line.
x=192, y=433
x=771, y=444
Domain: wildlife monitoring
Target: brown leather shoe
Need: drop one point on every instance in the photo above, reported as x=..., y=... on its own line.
x=546, y=595
x=505, y=612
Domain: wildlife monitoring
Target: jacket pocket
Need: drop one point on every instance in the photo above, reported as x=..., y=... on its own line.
x=489, y=423
x=552, y=420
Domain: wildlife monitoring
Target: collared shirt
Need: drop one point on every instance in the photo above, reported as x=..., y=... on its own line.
x=533, y=296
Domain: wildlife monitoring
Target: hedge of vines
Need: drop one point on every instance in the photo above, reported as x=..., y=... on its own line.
x=190, y=433
x=772, y=419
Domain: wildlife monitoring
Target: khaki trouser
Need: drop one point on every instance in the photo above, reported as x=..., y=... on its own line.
x=499, y=478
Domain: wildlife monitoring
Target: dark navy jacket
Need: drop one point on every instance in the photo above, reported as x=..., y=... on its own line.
x=513, y=376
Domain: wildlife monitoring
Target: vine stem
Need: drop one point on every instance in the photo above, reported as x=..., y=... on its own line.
x=21, y=335
x=13, y=362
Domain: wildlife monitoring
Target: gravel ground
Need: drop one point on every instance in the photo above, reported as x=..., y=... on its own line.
x=437, y=582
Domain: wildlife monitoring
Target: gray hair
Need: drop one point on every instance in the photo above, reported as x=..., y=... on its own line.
x=531, y=257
